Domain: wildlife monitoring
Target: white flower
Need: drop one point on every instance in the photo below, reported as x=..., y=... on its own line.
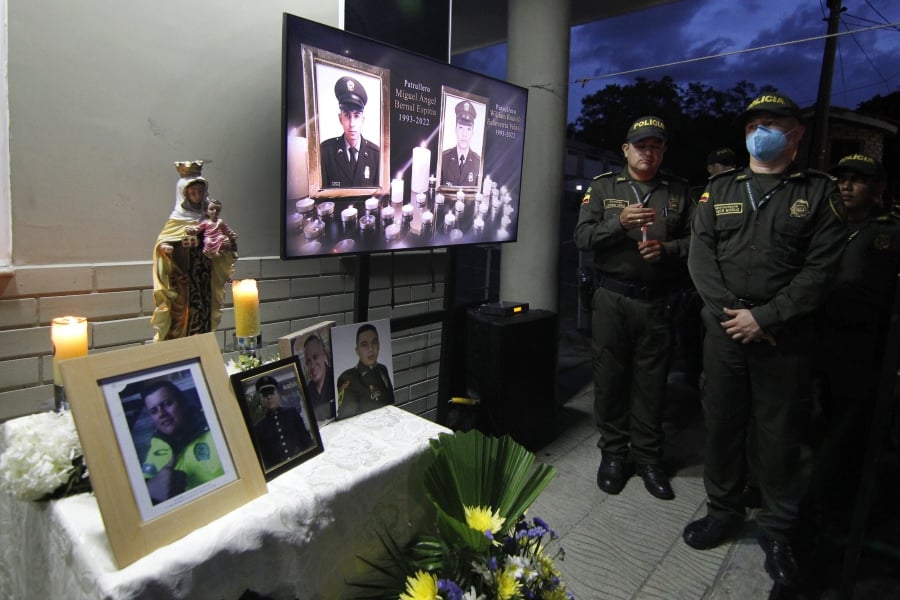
x=38, y=454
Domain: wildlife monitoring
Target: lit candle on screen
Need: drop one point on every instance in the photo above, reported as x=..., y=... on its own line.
x=421, y=163
x=70, y=340
x=397, y=191
x=298, y=166
x=486, y=186
x=246, y=307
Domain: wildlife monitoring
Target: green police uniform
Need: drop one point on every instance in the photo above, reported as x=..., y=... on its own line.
x=852, y=328
x=199, y=459
x=631, y=335
x=363, y=388
x=770, y=244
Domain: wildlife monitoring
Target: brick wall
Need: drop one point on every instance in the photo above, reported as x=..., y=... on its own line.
x=117, y=300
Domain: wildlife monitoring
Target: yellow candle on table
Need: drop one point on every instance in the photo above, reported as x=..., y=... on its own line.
x=246, y=307
x=70, y=340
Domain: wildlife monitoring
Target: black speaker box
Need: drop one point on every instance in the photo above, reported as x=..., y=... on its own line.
x=511, y=367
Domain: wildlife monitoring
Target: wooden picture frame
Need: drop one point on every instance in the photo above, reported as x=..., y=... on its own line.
x=312, y=346
x=107, y=392
x=278, y=415
x=321, y=71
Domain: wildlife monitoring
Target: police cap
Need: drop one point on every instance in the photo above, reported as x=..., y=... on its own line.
x=351, y=95
x=645, y=127
x=465, y=113
x=723, y=156
x=266, y=382
x=772, y=102
x=859, y=163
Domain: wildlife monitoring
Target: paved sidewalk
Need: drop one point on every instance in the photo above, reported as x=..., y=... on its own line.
x=629, y=546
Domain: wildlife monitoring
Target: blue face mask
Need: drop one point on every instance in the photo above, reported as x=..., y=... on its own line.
x=766, y=144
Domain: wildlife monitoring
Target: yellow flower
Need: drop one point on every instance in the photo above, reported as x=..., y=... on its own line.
x=481, y=519
x=421, y=586
x=507, y=585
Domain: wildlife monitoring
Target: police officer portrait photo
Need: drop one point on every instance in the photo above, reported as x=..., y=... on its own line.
x=363, y=361
x=178, y=451
x=348, y=153
x=278, y=414
x=461, y=140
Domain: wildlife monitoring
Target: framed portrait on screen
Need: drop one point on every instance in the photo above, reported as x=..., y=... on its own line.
x=461, y=141
x=347, y=108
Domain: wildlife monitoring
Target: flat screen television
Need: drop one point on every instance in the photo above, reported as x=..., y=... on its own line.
x=386, y=150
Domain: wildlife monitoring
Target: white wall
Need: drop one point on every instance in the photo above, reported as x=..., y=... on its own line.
x=104, y=95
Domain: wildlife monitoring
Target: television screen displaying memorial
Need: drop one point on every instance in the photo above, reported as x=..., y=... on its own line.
x=386, y=150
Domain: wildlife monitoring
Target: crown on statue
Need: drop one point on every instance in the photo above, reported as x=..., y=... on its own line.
x=189, y=168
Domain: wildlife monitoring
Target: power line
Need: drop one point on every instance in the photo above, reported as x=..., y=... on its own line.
x=585, y=80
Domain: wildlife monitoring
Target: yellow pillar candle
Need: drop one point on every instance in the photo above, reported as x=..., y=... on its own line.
x=246, y=307
x=70, y=340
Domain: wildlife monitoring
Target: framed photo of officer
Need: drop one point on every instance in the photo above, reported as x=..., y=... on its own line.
x=163, y=439
x=364, y=363
x=278, y=414
x=461, y=141
x=347, y=107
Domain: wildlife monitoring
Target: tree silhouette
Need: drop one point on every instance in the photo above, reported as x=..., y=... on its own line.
x=698, y=119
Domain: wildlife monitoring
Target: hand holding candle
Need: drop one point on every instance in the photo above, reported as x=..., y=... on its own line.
x=246, y=307
x=70, y=340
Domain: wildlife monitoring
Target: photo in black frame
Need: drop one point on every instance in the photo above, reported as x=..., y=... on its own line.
x=417, y=102
x=278, y=415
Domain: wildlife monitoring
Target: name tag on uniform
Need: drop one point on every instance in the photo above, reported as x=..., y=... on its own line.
x=733, y=208
x=613, y=203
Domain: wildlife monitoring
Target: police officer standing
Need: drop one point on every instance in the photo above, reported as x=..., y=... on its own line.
x=637, y=223
x=765, y=246
x=350, y=160
x=460, y=165
x=852, y=327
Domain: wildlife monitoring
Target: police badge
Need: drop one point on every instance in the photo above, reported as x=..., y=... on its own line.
x=800, y=209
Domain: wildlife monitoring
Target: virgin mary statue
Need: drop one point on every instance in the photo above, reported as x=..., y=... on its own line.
x=188, y=286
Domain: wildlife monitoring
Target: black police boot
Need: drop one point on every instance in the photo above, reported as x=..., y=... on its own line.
x=612, y=473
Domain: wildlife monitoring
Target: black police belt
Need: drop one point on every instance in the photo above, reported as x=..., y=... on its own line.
x=632, y=289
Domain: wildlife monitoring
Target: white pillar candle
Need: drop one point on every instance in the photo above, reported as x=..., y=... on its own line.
x=486, y=187
x=397, y=191
x=246, y=307
x=297, y=166
x=70, y=340
x=421, y=164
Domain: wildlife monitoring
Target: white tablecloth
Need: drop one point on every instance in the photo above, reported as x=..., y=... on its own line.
x=301, y=540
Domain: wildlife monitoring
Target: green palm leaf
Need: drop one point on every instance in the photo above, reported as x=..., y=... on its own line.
x=472, y=469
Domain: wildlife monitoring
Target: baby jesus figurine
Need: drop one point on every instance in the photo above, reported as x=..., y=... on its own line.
x=218, y=237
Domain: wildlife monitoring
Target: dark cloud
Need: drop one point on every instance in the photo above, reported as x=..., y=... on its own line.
x=866, y=63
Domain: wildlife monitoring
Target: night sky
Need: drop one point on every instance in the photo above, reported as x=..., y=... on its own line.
x=866, y=64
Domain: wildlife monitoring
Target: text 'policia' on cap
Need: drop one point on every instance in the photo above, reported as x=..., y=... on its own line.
x=645, y=127
x=776, y=104
x=859, y=163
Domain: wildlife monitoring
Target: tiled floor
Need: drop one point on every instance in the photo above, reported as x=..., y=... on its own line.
x=629, y=546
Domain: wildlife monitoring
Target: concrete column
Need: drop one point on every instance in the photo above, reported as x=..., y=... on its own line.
x=538, y=40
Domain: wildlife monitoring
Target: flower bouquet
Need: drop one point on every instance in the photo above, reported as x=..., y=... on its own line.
x=484, y=547
x=42, y=458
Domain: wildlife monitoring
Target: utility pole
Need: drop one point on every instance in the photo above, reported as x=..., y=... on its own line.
x=819, y=146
